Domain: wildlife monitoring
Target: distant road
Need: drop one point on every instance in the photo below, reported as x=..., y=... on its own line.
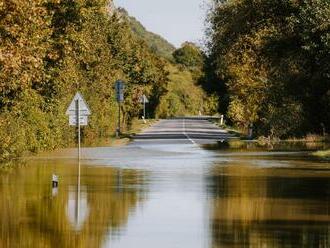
x=183, y=130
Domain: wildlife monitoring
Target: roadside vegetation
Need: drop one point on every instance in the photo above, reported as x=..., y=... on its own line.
x=269, y=63
x=137, y=125
x=184, y=96
x=49, y=49
x=322, y=154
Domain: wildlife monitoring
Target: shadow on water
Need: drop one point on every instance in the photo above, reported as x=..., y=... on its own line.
x=33, y=214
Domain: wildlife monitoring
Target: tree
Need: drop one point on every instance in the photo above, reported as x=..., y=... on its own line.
x=188, y=55
x=272, y=56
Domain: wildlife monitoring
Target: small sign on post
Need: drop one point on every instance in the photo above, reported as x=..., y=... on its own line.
x=83, y=120
x=221, y=120
x=144, y=100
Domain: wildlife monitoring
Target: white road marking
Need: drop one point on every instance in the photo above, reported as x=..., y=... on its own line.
x=185, y=133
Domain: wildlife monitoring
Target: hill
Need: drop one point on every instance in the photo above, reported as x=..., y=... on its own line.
x=156, y=43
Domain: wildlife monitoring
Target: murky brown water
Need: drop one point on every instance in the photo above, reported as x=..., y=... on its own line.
x=187, y=198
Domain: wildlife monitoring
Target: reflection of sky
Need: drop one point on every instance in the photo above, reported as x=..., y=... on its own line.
x=174, y=215
x=177, y=21
x=170, y=218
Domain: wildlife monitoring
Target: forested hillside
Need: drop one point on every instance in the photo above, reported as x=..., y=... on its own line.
x=49, y=49
x=156, y=43
x=269, y=62
x=184, y=96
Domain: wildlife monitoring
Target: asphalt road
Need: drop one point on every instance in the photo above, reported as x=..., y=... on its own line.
x=182, y=131
x=177, y=140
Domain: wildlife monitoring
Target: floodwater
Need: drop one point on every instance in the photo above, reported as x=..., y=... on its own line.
x=166, y=196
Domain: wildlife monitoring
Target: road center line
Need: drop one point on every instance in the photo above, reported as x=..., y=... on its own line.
x=185, y=133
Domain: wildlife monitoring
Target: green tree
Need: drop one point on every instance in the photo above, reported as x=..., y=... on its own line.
x=184, y=96
x=188, y=55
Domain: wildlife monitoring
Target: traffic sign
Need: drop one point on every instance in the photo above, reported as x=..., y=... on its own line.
x=78, y=113
x=119, y=85
x=144, y=99
x=83, y=120
x=73, y=107
x=120, y=97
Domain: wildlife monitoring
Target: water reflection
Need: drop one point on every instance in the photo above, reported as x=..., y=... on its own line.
x=34, y=214
x=77, y=209
x=237, y=145
x=200, y=199
x=253, y=207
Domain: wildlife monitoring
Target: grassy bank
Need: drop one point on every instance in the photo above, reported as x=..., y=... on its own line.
x=322, y=154
x=136, y=126
x=309, y=138
x=317, y=145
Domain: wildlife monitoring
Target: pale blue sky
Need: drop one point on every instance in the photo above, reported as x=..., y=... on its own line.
x=176, y=20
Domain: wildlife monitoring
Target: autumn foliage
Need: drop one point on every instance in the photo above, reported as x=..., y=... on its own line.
x=272, y=56
x=49, y=49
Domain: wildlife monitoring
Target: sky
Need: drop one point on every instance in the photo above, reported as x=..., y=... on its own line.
x=176, y=20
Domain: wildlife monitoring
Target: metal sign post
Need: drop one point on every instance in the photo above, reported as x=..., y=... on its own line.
x=119, y=85
x=78, y=123
x=78, y=113
x=79, y=140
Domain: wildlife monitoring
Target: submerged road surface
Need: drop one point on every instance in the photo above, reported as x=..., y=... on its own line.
x=166, y=190
x=157, y=147
x=183, y=130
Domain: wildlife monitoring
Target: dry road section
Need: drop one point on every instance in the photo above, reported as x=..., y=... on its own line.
x=182, y=131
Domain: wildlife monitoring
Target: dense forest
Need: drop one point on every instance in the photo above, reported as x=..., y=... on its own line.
x=269, y=60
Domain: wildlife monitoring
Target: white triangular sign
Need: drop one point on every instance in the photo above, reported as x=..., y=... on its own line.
x=144, y=99
x=83, y=108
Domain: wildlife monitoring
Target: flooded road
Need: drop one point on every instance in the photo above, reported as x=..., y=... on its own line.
x=170, y=192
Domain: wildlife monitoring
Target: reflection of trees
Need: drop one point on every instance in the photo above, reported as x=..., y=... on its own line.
x=263, y=208
x=31, y=217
